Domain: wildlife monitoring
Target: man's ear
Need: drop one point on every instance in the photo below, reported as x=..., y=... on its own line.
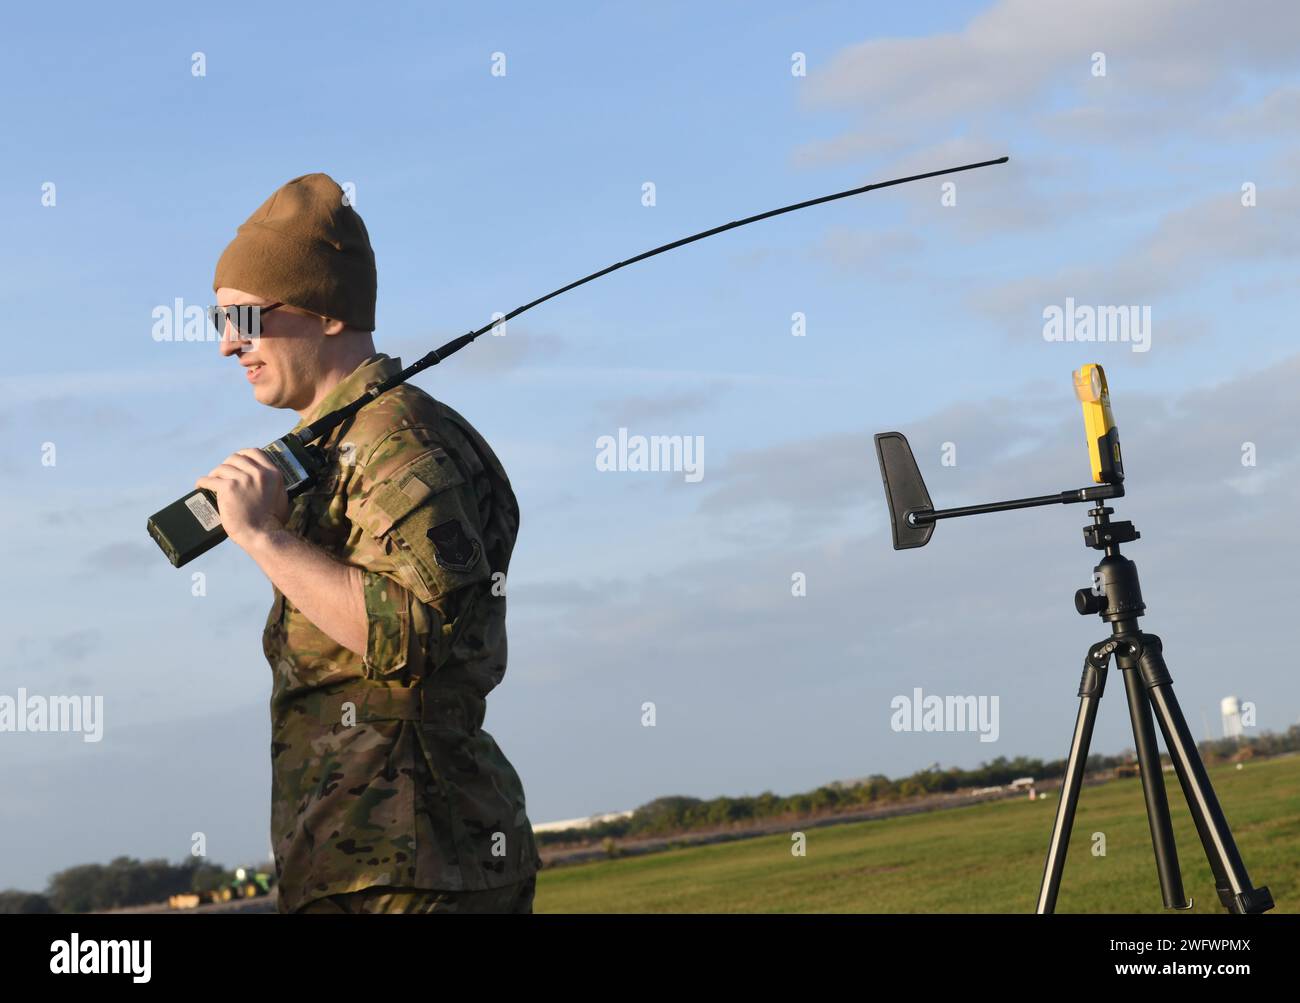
x=330, y=326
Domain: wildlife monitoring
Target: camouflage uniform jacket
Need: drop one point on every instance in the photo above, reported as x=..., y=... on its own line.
x=381, y=771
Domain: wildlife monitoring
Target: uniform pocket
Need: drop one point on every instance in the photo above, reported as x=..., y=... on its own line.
x=388, y=626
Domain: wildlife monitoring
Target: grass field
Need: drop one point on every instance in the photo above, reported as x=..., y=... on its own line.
x=985, y=858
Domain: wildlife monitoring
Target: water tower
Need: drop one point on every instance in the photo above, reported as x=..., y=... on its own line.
x=1231, y=710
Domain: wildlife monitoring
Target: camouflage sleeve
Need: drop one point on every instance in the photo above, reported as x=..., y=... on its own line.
x=421, y=517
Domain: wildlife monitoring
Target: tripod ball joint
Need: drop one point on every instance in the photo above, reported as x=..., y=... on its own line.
x=1115, y=593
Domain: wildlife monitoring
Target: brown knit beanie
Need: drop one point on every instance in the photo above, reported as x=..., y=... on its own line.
x=306, y=247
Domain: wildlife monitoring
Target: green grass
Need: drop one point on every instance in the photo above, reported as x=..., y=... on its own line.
x=985, y=858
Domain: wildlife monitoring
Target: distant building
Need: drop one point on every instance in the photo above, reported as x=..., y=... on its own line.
x=581, y=823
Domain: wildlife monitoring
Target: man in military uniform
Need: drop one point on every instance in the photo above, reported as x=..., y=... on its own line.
x=388, y=625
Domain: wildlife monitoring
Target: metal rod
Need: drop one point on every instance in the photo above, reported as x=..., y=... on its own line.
x=923, y=517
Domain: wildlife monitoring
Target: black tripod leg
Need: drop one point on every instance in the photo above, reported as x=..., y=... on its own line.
x=1090, y=690
x=1230, y=877
x=1153, y=787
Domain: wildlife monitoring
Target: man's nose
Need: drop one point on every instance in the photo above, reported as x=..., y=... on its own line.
x=230, y=341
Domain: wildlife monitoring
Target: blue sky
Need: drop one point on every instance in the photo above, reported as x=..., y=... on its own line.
x=481, y=192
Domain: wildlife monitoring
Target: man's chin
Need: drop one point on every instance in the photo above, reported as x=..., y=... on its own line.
x=265, y=395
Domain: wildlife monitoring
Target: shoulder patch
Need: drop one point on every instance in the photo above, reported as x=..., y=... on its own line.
x=453, y=549
x=429, y=513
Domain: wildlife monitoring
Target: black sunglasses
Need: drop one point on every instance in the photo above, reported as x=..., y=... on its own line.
x=246, y=318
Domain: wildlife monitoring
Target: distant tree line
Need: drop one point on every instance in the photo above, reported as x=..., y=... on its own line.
x=1269, y=743
x=672, y=815
x=122, y=882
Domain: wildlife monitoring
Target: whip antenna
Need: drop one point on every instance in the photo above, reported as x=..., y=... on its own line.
x=321, y=426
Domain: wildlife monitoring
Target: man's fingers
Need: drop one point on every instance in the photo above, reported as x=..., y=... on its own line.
x=257, y=456
x=240, y=462
x=260, y=460
x=228, y=472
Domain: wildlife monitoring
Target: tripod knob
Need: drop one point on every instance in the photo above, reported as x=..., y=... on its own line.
x=1088, y=602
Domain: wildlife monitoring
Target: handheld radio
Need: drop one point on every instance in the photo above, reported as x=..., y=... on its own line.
x=191, y=525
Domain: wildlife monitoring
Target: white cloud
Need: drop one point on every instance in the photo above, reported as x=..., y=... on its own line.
x=1167, y=60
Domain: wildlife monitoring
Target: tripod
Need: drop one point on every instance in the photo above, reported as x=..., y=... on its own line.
x=1117, y=598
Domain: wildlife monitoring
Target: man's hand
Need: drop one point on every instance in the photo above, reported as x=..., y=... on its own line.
x=254, y=506
x=250, y=495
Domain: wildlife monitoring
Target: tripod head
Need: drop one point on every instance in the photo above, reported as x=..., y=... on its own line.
x=912, y=515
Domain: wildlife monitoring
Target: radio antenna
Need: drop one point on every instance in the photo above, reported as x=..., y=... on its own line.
x=323, y=425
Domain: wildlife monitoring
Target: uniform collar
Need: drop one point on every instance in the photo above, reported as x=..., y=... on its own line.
x=373, y=369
